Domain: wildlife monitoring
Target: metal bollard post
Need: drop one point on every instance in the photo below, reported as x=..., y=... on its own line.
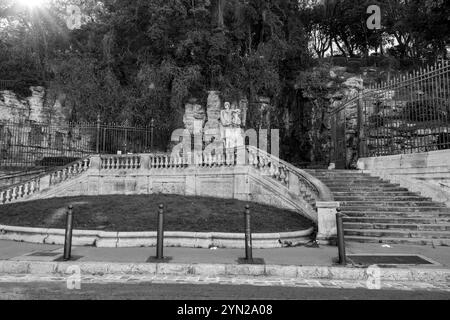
x=160, y=236
x=248, y=235
x=340, y=237
x=68, y=238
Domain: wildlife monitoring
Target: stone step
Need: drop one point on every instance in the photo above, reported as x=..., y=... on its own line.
x=396, y=220
x=362, y=184
x=352, y=178
x=377, y=194
x=398, y=226
x=336, y=171
x=404, y=204
x=372, y=198
x=390, y=240
x=397, y=234
x=376, y=190
x=394, y=214
x=371, y=208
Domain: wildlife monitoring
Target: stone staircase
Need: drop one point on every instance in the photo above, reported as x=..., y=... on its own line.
x=380, y=212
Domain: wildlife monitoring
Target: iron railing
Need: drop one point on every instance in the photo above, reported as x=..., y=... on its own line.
x=409, y=114
x=29, y=144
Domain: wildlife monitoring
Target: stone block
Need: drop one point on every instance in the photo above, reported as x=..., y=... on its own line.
x=326, y=215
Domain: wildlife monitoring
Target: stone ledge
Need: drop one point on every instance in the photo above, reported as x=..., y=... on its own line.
x=292, y=272
x=147, y=239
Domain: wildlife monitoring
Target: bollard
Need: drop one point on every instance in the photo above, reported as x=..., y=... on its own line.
x=340, y=237
x=68, y=238
x=160, y=236
x=248, y=235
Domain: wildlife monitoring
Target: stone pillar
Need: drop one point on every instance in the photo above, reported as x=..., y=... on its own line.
x=95, y=163
x=44, y=182
x=145, y=162
x=326, y=222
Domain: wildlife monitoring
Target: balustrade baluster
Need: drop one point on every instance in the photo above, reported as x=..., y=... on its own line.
x=286, y=179
x=282, y=174
x=26, y=188
x=8, y=195
x=14, y=193
x=2, y=197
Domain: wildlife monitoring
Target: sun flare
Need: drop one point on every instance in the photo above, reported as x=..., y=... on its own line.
x=32, y=3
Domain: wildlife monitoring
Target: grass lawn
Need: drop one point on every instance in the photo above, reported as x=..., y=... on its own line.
x=139, y=213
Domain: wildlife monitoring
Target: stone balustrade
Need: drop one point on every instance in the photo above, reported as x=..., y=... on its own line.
x=22, y=191
x=284, y=172
x=117, y=162
x=242, y=174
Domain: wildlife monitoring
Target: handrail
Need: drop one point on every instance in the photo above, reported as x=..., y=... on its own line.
x=322, y=191
x=29, y=187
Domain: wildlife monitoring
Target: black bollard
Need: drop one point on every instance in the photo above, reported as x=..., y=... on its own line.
x=340, y=237
x=68, y=238
x=160, y=236
x=248, y=235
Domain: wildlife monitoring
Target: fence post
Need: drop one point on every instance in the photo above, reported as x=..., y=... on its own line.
x=97, y=148
x=340, y=237
x=160, y=235
x=68, y=237
x=152, y=125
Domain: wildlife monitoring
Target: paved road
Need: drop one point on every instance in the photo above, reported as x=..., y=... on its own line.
x=58, y=290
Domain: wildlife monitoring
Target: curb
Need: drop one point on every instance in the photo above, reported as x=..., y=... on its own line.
x=103, y=239
x=215, y=270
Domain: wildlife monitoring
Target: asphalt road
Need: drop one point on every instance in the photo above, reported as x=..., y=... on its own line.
x=151, y=291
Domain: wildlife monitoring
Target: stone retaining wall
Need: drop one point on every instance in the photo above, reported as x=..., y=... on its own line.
x=427, y=173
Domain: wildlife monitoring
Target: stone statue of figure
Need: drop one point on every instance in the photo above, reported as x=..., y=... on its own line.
x=231, y=126
x=226, y=115
x=236, y=118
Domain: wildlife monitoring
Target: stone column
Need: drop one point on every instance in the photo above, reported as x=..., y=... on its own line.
x=326, y=222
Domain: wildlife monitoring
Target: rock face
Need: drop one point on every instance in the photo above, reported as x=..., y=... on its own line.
x=13, y=109
x=31, y=129
x=32, y=108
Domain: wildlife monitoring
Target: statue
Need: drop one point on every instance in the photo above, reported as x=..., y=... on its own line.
x=231, y=126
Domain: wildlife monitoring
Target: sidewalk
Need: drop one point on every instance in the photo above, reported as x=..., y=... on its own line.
x=295, y=263
x=296, y=256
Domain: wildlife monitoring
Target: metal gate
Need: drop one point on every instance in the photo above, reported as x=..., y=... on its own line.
x=338, y=149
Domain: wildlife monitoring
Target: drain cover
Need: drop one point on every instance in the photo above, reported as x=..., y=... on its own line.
x=44, y=254
x=388, y=259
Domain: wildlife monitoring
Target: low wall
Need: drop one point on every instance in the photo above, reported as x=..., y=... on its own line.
x=426, y=173
x=103, y=239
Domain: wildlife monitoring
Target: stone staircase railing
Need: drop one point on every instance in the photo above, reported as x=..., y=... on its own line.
x=23, y=190
x=117, y=162
x=312, y=189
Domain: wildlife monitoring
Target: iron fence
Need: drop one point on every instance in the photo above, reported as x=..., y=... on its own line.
x=409, y=114
x=32, y=145
x=7, y=84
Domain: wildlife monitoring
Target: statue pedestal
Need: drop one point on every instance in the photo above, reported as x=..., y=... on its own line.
x=234, y=137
